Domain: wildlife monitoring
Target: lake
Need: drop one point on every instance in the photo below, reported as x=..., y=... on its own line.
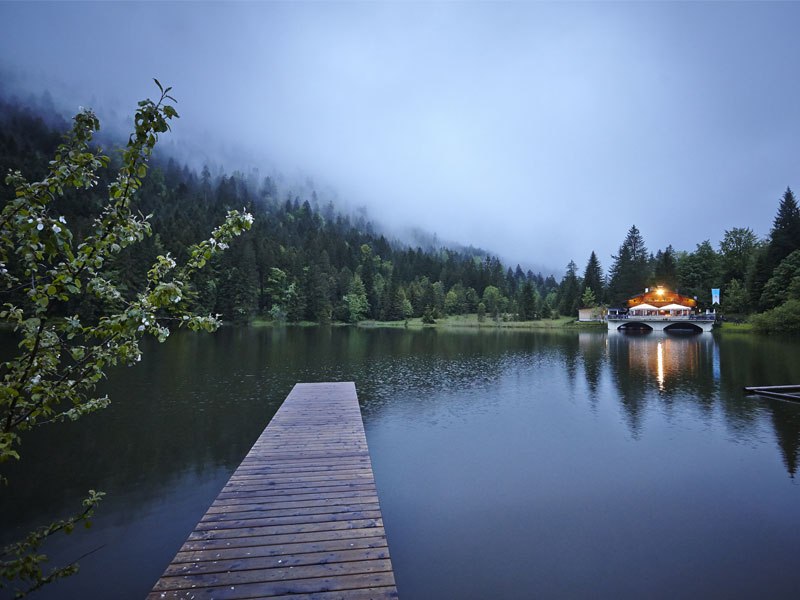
x=509, y=464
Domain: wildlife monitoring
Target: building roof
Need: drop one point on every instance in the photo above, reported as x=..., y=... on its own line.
x=644, y=306
x=660, y=297
x=675, y=307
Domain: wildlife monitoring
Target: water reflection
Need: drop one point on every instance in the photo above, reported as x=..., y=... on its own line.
x=747, y=361
x=671, y=362
x=464, y=425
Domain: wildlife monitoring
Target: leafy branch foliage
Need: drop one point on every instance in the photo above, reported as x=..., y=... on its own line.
x=45, y=268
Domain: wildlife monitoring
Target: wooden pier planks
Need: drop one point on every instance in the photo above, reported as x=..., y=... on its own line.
x=300, y=516
x=781, y=392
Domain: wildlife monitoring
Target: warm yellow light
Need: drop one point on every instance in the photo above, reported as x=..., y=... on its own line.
x=660, y=291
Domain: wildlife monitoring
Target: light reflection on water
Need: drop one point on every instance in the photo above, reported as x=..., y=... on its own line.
x=509, y=464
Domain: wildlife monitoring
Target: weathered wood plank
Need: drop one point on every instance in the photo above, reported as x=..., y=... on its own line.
x=302, y=467
x=288, y=528
x=383, y=593
x=281, y=549
x=290, y=496
x=282, y=503
x=774, y=388
x=221, y=543
x=781, y=392
x=232, y=504
x=274, y=580
x=304, y=477
x=347, y=586
x=280, y=561
x=299, y=518
x=293, y=488
x=316, y=511
x=289, y=520
x=294, y=492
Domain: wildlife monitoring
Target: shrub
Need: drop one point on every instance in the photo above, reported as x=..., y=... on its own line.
x=782, y=319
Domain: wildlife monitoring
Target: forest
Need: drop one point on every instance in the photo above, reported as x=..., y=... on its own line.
x=303, y=260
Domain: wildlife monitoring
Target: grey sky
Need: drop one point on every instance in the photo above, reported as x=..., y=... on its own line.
x=540, y=131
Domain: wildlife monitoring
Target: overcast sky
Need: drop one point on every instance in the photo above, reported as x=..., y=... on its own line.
x=539, y=131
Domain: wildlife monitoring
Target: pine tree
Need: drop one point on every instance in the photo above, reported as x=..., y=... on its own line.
x=588, y=299
x=783, y=240
x=569, y=293
x=238, y=284
x=619, y=286
x=593, y=277
x=665, y=271
x=784, y=278
x=368, y=277
x=526, y=303
x=758, y=273
x=318, y=306
x=388, y=312
x=785, y=234
x=630, y=272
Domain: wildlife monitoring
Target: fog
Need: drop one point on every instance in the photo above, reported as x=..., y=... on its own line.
x=538, y=131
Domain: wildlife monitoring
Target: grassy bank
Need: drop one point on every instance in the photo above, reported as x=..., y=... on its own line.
x=735, y=327
x=471, y=321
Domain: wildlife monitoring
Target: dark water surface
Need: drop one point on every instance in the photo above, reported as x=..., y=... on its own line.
x=509, y=464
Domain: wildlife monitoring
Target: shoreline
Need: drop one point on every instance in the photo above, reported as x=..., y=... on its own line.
x=471, y=322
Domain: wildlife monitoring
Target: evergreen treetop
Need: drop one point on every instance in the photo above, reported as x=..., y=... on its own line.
x=593, y=277
x=785, y=234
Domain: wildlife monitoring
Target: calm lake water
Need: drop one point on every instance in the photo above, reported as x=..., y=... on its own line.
x=509, y=464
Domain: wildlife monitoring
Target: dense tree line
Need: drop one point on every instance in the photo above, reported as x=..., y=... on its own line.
x=300, y=260
x=303, y=261
x=753, y=274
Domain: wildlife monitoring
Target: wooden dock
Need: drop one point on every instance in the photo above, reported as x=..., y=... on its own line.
x=781, y=392
x=300, y=516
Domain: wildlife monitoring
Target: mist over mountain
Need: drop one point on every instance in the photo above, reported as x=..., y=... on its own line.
x=231, y=160
x=539, y=130
x=303, y=259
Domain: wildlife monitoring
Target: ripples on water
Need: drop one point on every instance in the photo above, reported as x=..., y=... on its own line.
x=510, y=464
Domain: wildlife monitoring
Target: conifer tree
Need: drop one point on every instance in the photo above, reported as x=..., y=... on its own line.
x=593, y=277
x=666, y=269
x=367, y=273
x=569, y=293
x=630, y=272
x=785, y=234
x=588, y=299
x=526, y=303
x=783, y=240
x=784, y=283
x=758, y=273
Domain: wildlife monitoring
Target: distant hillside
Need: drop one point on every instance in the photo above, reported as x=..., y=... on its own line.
x=300, y=261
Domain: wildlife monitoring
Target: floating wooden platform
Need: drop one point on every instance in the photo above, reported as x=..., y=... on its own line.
x=300, y=516
x=782, y=392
